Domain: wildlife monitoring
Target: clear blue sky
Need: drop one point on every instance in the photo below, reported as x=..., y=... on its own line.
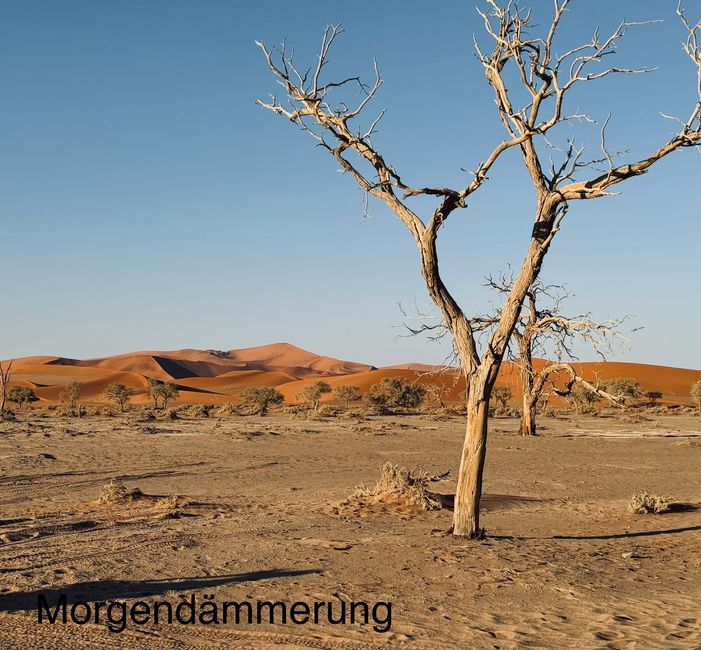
x=147, y=202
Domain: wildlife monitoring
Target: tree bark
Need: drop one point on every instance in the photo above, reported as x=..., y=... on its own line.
x=466, y=513
x=528, y=414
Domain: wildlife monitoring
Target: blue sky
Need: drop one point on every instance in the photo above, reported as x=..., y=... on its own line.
x=146, y=202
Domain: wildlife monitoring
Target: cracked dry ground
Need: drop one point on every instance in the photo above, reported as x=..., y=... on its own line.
x=565, y=565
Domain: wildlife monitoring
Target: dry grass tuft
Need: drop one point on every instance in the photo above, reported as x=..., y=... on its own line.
x=398, y=482
x=645, y=503
x=115, y=491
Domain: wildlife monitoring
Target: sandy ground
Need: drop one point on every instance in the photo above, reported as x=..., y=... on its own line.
x=565, y=565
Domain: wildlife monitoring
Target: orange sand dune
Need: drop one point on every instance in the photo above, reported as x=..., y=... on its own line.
x=215, y=376
x=235, y=381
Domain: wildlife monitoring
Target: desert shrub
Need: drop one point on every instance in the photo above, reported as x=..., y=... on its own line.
x=168, y=414
x=328, y=411
x=116, y=491
x=696, y=394
x=644, y=503
x=400, y=482
x=502, y=394
x=625, y=389
x=395, y=392
x=582, y=399
x=22, y=395
x=227, y=409
x=653, y=396
x=312, y=393
x=347, y=394
x=257, y=400
x=119, y=394
x=199, y=410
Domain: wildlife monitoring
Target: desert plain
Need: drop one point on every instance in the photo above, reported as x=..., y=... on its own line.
x=256, y=507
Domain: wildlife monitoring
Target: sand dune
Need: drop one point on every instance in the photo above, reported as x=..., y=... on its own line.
x=216, y=376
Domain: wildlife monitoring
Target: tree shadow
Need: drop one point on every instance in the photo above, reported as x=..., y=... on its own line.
x=642, y=533
x=105, y=590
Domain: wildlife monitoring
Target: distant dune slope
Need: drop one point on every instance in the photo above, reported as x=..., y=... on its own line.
x=219, y=376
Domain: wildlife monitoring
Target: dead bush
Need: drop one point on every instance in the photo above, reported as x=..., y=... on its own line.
x=400, y=482
x=644, y=503
x=115, y=491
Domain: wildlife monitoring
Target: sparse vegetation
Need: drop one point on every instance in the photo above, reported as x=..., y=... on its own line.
x=582, y=399
x=502, y=394
x=163, y=390
x=398, y=482
x=653, y=396
x=347, y=394
x=395, y=392
x=258, y=400
x=312, y=393
x=625, y=389
x=644, y=503
x=71, y=394
x=119, y=394
x=116, y=491
x=22, y=395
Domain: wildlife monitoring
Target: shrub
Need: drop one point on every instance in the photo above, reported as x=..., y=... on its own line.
x=400, y=482
x=257, y=400
x=582, y=398
x=502, y=394
x=22, y=395
x=347, y=394
x=71, y=394
x=645, y=503
x=199, y=410
x=653, y=396
x=312, y=393
x=395, y=392
x=625, y=389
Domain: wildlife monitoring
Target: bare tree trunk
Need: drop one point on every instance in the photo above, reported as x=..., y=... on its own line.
x=528, y=414
x=466, y=513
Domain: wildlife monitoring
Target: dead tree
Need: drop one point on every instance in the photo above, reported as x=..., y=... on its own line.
x=546, y=78
x=542, y=330
x=5, y=377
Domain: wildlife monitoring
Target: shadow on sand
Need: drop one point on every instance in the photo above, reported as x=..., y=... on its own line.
x=105, y=590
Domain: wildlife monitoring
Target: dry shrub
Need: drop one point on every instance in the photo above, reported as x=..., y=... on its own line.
x=400, y=483
x=173, y=502
x=227, y=409
x=200, y=410
x=115, y=491
x=168, y=414
x=644, y=503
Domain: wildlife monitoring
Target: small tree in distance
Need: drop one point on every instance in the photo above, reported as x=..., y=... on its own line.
x=347, y=394
x=257, y=400
x=71, y=394
x=119, y=393
x=22, y=395
x=653, y=396
x=312, y=393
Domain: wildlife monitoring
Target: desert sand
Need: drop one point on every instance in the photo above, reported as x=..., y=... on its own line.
x=256, y=508
x=248, y=507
